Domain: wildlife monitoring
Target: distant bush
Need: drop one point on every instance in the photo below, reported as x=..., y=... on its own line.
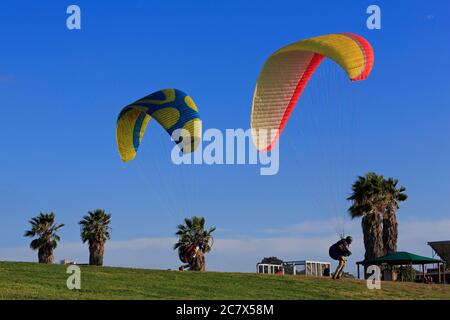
x=407, y=274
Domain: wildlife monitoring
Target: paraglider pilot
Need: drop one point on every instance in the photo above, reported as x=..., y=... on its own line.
x=340, y=251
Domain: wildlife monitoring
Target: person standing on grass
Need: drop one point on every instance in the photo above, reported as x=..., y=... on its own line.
x=340, y=251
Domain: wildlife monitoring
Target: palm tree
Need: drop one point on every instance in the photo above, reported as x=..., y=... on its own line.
x=95, y=230
x=44, y=228
x=368, y=203
x=192, y=234
x=393, y=196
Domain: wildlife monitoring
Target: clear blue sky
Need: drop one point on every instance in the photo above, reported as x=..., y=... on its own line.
x=61, y=91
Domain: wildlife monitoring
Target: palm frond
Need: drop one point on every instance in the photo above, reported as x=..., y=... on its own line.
x=43, y=227
x=193, y=232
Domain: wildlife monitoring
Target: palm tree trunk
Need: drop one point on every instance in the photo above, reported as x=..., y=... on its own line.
x=373, y=237
x=96, y=251
x=198, y=263
x=202, y=262
x=390, y=232
x=45, y=255
x=41, y=255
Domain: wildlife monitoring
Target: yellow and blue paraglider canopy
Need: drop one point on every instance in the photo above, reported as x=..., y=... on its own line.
x=288, y=70
x=171, y=108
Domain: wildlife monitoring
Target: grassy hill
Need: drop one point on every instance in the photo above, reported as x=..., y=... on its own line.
x=19, y=280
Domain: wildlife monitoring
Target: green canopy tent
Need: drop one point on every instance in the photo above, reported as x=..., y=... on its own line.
x=402, y=258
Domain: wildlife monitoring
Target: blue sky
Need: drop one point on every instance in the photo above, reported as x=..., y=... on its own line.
x=62, y=90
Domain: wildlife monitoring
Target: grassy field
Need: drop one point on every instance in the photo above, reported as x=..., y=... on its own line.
x=19, y=280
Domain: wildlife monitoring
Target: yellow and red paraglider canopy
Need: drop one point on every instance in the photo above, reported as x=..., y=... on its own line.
x=287, y=71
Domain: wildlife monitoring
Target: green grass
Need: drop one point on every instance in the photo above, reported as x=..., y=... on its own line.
x=20, y=280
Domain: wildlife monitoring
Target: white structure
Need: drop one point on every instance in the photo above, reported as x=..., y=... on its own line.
x=303, y=267
x=308, y=268
x=269, y=268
